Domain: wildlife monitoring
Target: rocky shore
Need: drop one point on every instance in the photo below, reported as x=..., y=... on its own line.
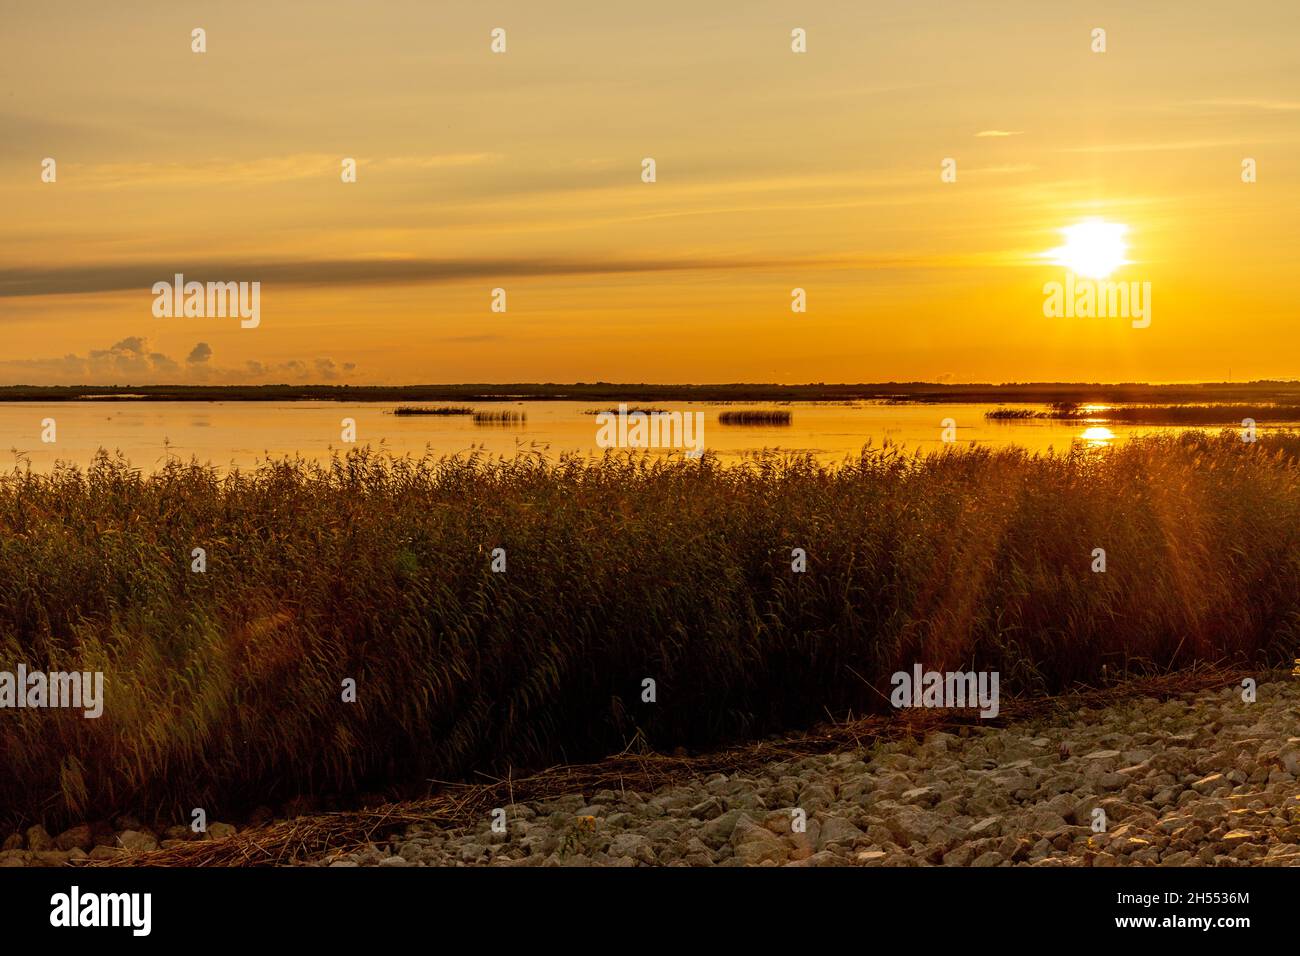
x=1208, y=780
x=1202, y=780
x=100, y=841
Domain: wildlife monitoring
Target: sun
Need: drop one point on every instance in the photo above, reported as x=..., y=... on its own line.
x=1093, y=248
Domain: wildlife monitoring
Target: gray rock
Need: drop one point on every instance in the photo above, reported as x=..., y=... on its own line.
x=137, y=841
x=836, y=831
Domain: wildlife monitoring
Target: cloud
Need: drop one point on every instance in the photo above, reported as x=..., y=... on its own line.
x=130, y=361
x=1278, y=106
x=999, y=133
x=263, y=171
x=1172, y=146
x=94, y=278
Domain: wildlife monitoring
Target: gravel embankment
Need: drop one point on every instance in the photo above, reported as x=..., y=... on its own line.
x=1204, y=780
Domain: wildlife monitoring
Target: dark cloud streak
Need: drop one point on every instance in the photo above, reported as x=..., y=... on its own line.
x=89, y=279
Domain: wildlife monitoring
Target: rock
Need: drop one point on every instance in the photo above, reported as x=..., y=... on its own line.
x=921, y=796
x=393, y=861
x=470, y=852
x=910, y=825
x=220, y=831
x=960, y=856
x=837, y=831
x=707, y=809
x=1045, y=821
x=12, y=842
x=988, y=827
x=718, y=830
x=1101, y=761
x=1210, y=784
x=754, y=844
x=991, y=858
x=106, y=852
x=635, y=847
x=77, y=837
x=38, y=839
x=137, y=841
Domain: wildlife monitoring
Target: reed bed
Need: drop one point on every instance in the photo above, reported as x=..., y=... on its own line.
x=631, y=410
x=760, y=417
x=500, y=417
x=1190, y=415
x=433, y=410
x=224, y=688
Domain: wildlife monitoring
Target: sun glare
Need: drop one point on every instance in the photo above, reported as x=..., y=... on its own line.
x=1093, y=248
x=1097, y=436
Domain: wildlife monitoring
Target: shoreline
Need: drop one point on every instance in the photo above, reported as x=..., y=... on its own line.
x=904, y=392
x=976, y=798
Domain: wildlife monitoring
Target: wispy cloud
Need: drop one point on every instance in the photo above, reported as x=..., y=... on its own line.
x=95, y=278
x=1149, y=147
x=998, y=133
x=1280, y=106
x=255, y=172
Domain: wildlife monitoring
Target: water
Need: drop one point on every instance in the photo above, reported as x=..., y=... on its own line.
x=240, y=434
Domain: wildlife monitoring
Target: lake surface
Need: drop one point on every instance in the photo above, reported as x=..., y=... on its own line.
x=241, y=434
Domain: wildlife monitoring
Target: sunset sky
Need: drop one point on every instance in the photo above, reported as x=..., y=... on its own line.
x=522, y=170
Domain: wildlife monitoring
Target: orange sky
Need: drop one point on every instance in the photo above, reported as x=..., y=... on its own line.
x=522, y=170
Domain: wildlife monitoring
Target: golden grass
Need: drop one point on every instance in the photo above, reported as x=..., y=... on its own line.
x=224, y=688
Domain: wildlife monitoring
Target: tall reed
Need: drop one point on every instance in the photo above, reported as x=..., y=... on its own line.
x=224, y=688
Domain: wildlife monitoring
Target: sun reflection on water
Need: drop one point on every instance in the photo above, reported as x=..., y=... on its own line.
x=1098, y=436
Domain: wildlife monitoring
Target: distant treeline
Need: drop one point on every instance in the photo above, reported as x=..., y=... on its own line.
x=1036, y=393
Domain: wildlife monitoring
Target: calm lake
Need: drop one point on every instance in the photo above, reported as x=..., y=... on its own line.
x=241, y=434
